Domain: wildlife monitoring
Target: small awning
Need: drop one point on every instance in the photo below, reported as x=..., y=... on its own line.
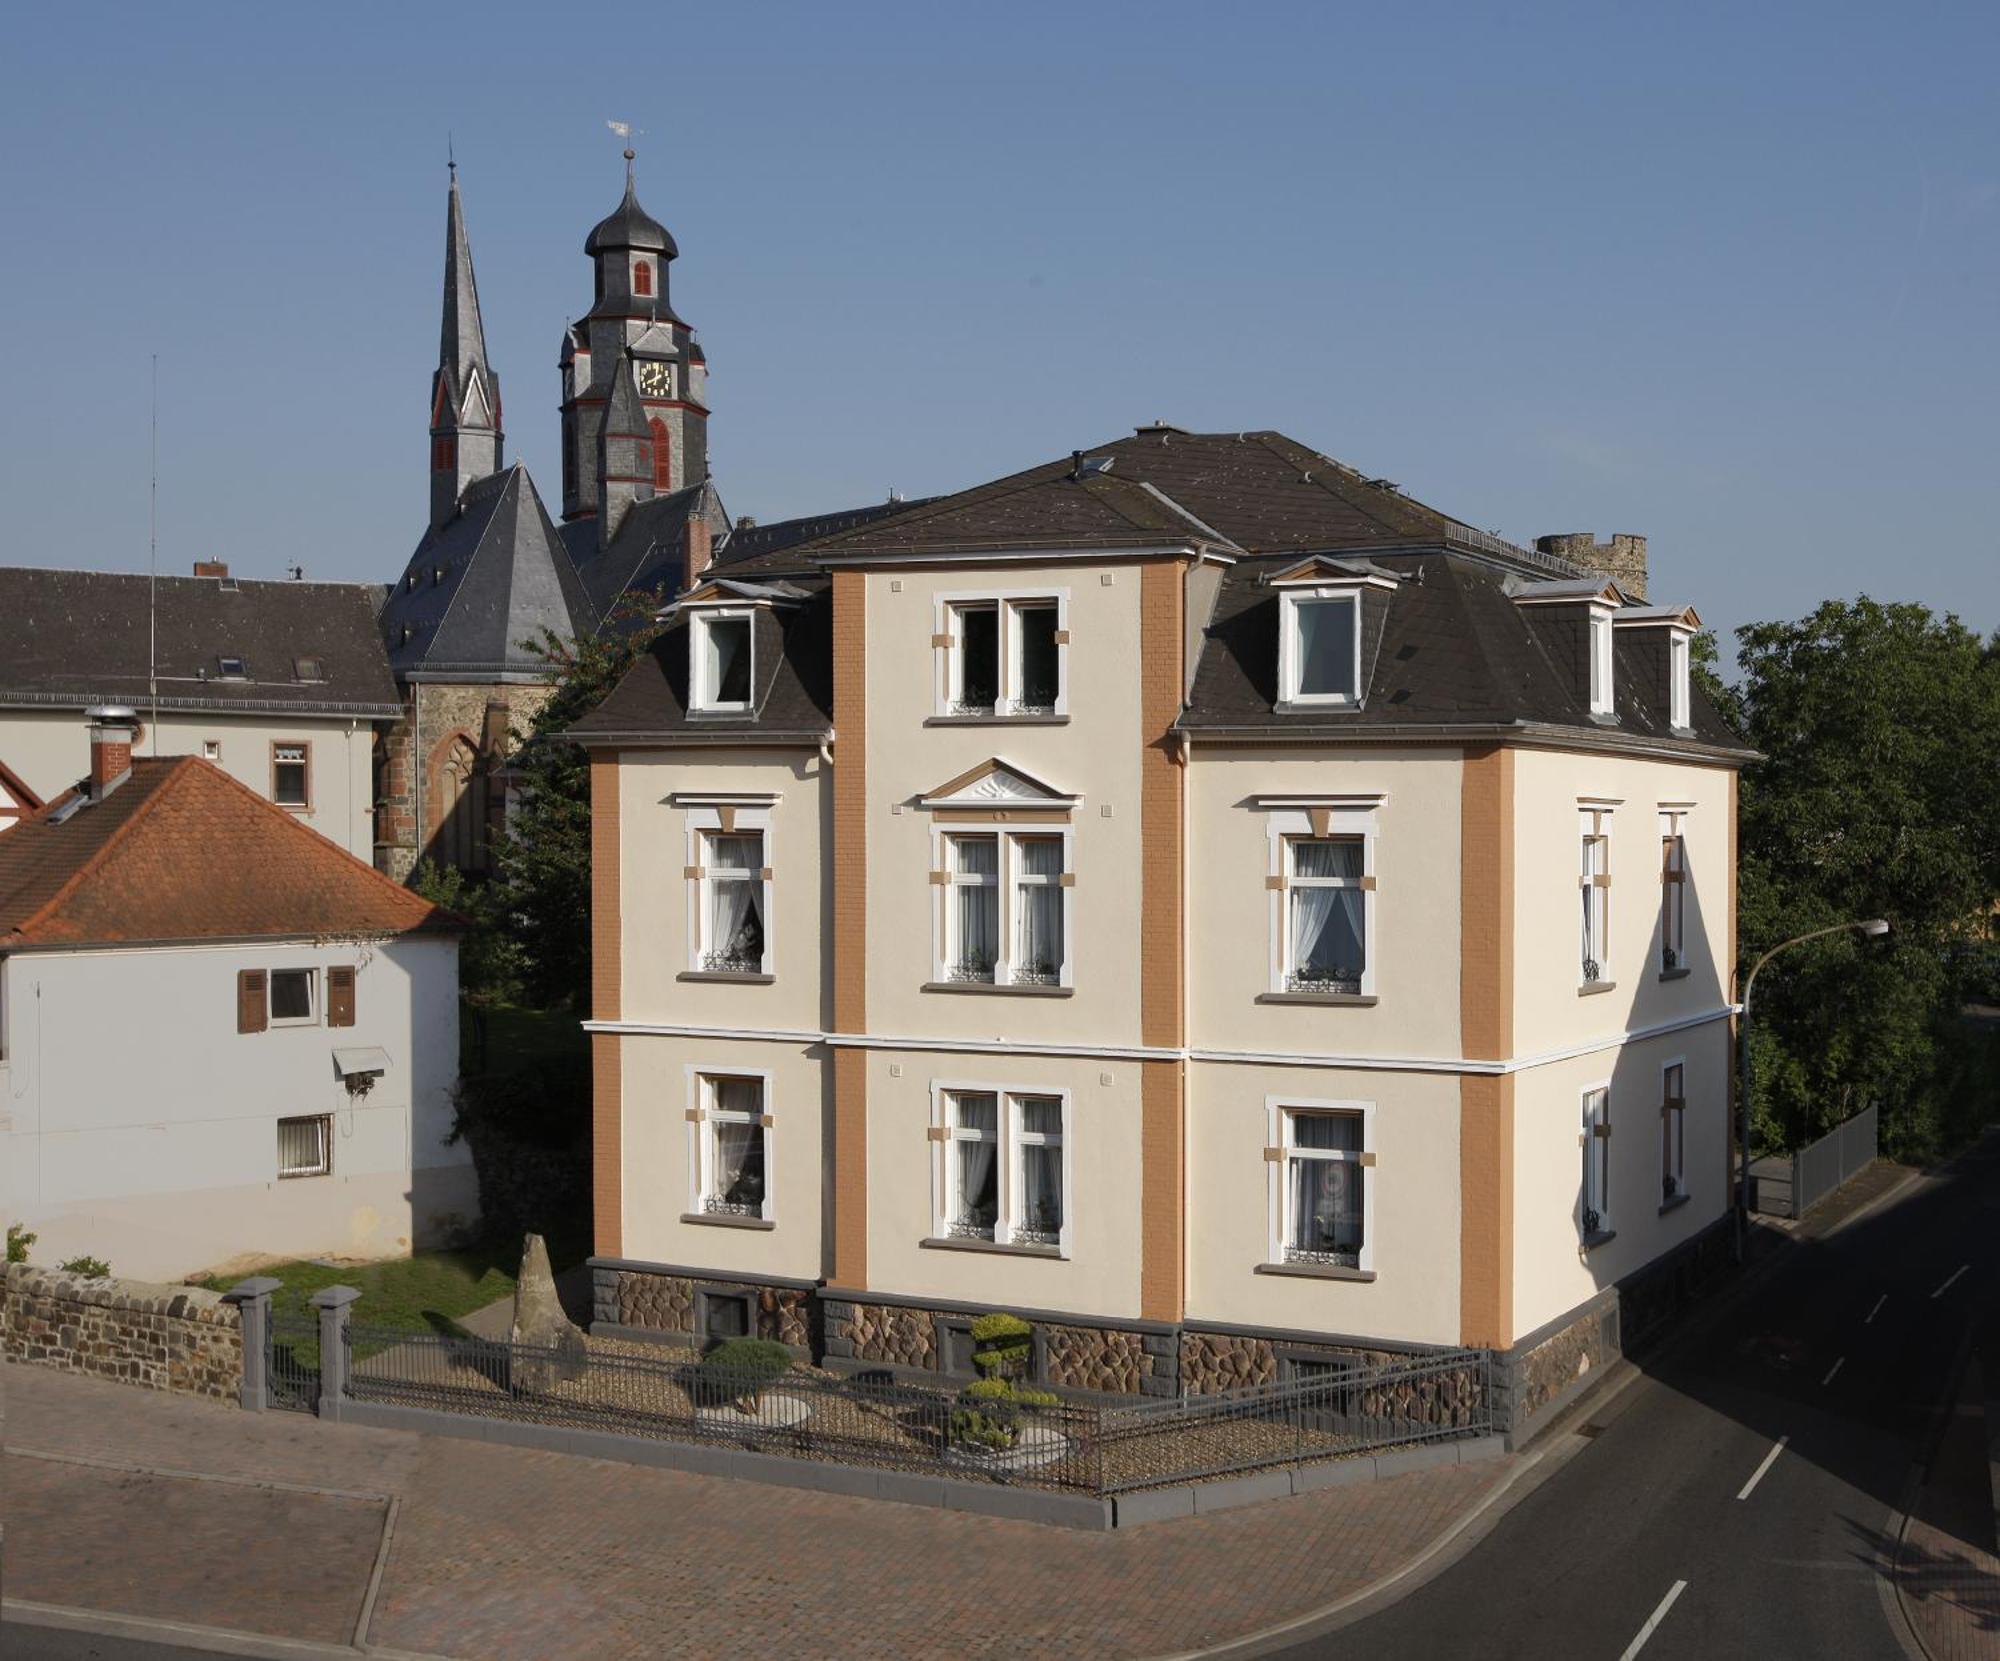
x=347, y=1063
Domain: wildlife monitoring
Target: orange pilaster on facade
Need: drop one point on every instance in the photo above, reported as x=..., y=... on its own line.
x=849, y=1267
x=1486, y=1032
x=1162, y=967
x=606, y=1094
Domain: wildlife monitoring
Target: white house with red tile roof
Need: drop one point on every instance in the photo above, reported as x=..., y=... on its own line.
x=220, y=1033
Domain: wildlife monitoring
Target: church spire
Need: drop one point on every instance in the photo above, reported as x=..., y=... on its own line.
x=467, y=442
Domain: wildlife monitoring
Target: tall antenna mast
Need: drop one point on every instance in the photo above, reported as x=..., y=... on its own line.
x=153, y=571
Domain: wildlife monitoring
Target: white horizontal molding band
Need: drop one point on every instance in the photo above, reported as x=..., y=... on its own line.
x=1138, y=1052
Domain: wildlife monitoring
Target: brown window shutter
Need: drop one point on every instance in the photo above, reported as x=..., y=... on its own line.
x=340, y=997
x=252, y=1001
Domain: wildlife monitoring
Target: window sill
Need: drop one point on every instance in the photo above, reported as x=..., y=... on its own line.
x=1022, y=990
x=1314, y=1271
x=949, y=1244
x=1681, y=973
x=721, y=1219
x=996, y=720
x=726, y=975
x=1317, y=706
x=1603, y=1237
x=1675, y=1203
x=1591, y=988
x=1353, y=1000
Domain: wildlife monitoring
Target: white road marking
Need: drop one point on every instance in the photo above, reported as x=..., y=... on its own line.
x=1879, y=1302
x=1653, y=1620
x=1946, y=1287
x=1842, y=1362
x=1757, y=1475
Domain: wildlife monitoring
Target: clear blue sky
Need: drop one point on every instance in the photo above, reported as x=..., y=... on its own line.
x=1725, y=275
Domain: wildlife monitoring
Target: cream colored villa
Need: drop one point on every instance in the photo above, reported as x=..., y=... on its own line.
x=1189, y=894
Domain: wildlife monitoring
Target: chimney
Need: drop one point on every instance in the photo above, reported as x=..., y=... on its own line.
x=211, y=568
x=1622, y=559
x=112, y=727
x=699, y=540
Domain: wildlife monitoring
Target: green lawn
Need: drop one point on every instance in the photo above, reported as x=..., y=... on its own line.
x=424, y=1293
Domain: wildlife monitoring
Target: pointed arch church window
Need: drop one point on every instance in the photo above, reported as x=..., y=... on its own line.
x=642, y=278
x=663, y=458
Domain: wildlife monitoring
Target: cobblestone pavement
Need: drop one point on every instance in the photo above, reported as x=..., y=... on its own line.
x=502, y=1552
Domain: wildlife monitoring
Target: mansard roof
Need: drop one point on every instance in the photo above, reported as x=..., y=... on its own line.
x=76, y=638
x=492, y=576
x=1446, y=650
x=181, y=851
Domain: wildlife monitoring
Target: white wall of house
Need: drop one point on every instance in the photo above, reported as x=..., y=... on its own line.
x=141, y=1127
x=50, y=749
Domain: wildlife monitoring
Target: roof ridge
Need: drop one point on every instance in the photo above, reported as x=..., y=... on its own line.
x=180, y=764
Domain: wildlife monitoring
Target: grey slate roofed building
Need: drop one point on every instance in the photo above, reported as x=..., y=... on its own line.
x=492, y=576
x=1447, y=651
x=77, y=638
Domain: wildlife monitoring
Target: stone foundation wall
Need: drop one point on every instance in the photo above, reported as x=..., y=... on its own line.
x=1540, y=1375
x=1108, y=1360
x=1215, y=1361
x=161, y=1337
x=666, y=1303
x=882, y=1333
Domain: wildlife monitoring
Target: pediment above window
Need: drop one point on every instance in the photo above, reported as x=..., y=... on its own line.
x=1322, y=570
x=995, y=784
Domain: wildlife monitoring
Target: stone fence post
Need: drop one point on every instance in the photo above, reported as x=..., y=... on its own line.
x=332, y=1304
x=252, y=1298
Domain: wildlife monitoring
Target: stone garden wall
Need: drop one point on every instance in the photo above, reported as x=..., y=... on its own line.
x=163, y=1337
x=666, y=1304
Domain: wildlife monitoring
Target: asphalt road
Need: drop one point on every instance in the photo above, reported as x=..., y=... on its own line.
x=1678, y=1511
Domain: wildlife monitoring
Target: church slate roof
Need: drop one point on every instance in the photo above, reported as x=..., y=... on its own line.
x=630, y=226
x=495, y=574
x=647, y=555
x=1448, y=653
x=76, y=638
x=181, y=851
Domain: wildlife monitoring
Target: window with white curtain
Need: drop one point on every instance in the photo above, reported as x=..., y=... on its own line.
x=1005, y=908
x=1594, y=885
x=732, y=902
x=733, y=1146
x=1673, y=1132
x=1322, y=1196
x=1003, y=655
x=1326, y=906
x=1003, y=1178
x=1673, y=893
x=1596, y=1216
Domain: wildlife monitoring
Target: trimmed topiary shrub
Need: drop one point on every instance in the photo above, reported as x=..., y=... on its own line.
x=739, y=1371
x=1001, y=1345
x=996, y=1407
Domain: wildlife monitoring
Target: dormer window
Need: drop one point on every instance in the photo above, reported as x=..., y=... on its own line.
x=1680, y=654
x=1602, y=701
x=1319, y=652
x=720, y=642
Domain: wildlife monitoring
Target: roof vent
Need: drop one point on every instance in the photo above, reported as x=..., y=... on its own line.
x=744, y=522
x=1385, y=484
x=228, y=584
x=1082, y=466
x=1160, y=427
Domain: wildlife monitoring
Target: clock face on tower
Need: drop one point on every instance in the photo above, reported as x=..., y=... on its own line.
x=656, y=380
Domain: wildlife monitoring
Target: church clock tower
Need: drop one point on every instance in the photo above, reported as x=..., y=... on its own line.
x=632, y=358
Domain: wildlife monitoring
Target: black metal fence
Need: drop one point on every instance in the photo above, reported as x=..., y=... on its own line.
x=874, y=1421
x=291, y=1367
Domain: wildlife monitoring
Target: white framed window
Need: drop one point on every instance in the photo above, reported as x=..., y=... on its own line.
x=1319, y=648
x=211, y=749
x=1322, y=1198
x=291, y=775
x=294, y=997
x=1005, y=907
x=722, y=667
x=731, y=1125
x=1596, y=1141
x=1679, y=670
x=729, y=878
x=305, y=1146
x=1003, y=654
x=732, y=902
x=1673, y=1131
x=1321, y=879
x=1001, y=1171
x=1673, y=891
x=1594, y=888
x=1603, y=700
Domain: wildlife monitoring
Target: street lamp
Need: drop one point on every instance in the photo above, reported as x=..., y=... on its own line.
x=1872, y=928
